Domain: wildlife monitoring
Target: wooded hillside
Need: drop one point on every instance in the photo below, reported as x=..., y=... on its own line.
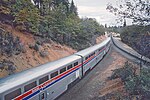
x=39, y=31
x=57, y=20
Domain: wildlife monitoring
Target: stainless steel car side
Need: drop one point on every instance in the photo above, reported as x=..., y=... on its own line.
x=50, y=80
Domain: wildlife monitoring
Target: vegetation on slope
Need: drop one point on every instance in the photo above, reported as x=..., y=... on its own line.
x=137, y=82
x=138, y=37
x=57, y=20
x=134, y=83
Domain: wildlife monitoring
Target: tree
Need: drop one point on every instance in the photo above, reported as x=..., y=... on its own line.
x=63, y=2
x=137, y=10
x=73, y=8
x=5, y=11
x=26, y=15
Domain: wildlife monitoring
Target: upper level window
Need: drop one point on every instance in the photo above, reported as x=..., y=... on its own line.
x=76, y=63
x=30, y=86
x=86, y=58
x=13, y=94
x=62, y=70
x=54, y=74
x=44, y=79
x=69, y=67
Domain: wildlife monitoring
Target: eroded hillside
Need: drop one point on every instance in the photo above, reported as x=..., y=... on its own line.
x=21, y=51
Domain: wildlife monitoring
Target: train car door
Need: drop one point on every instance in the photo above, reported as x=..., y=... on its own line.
x=82, y=70
x=43, y=96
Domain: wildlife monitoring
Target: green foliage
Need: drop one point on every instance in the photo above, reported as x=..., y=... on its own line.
x=139, y=84
x=26, y=15
x=73, y=8
x=135, y=83
x=84, y=31
x=54, y=19
x=137, y=37
x=123, y=73
x=4, y=10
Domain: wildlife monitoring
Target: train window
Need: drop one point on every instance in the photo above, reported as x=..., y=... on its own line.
x=76, y=63
x=30, y=86
x=69, y=67
x=42, y=80
x=62, y=70
x=93, y=53
x=13, y=94
x=54, y=74
x=100, y=49
x=86, y=58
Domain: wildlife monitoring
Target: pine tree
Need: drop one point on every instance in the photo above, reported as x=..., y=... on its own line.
x=26, y=15
x=73, y=8
x=64, y=2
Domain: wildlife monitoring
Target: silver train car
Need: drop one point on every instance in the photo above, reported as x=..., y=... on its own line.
x=92, y=55
x=50, y=80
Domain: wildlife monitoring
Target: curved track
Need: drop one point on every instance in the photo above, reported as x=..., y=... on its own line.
x=138, y=58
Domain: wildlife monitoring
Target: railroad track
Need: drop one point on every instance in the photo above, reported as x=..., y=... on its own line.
x=140, y=58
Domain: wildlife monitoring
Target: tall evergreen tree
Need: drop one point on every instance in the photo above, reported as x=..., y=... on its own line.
x=73, y=8
x=64, y=2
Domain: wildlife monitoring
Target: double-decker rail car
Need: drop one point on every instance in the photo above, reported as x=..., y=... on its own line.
x=45, y=82
x=92, y=55
x=102, y=49
x=50, y=80
x=107, y=44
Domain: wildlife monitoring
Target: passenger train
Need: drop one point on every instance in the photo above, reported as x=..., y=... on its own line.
x=50, y=80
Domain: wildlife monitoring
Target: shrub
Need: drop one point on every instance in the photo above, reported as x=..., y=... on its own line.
x=139, y=84
x=123, y=73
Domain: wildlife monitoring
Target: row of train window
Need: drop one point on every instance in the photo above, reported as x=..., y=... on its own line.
x=17, y=92
x=89, y=56
x=93, y=53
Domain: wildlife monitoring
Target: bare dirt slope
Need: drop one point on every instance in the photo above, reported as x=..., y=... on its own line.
x=100, y=39
x=32, y=58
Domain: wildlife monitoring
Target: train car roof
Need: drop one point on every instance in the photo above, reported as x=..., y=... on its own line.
x=92, y=48
x=30, y=74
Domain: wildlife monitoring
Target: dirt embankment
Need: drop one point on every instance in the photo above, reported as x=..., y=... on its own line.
x=46, y=52
x=100, y=39
x=112, y=89
x=112, y=85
